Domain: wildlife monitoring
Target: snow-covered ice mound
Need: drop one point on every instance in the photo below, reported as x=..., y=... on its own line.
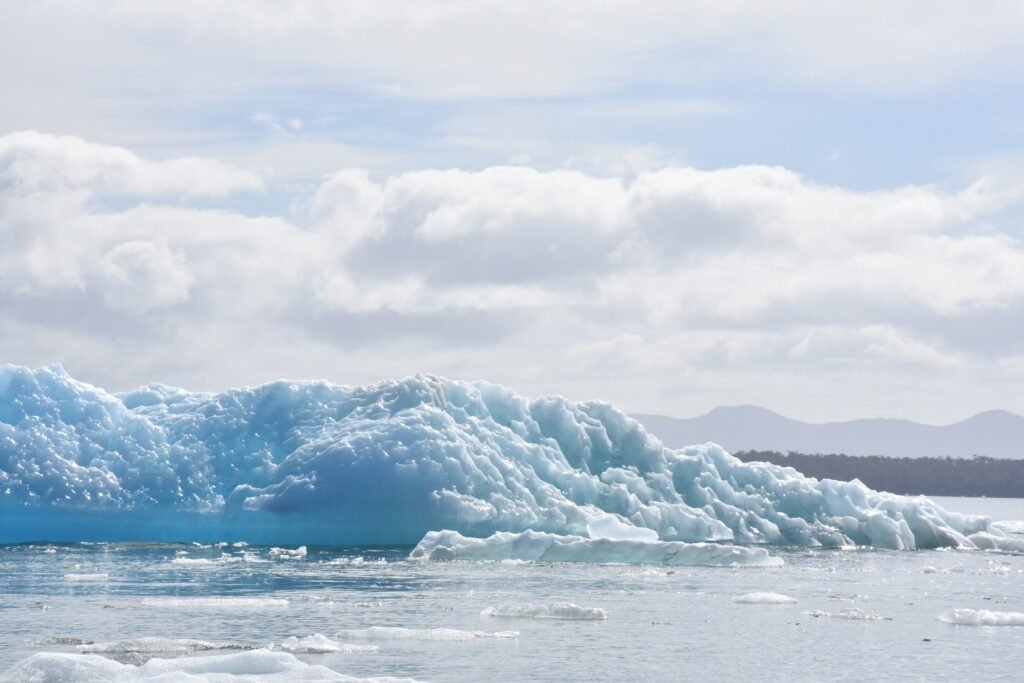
x=316, y=463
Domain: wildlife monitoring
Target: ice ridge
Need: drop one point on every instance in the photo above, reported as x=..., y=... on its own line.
x=318, y=463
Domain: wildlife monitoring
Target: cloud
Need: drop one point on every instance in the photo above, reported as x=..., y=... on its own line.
x=497, y=49
x=33, y=162
x=725, y=281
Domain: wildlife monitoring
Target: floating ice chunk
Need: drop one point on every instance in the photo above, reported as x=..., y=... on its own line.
x=543, y=547
x=215, y=603
x=320, y=644
x=987, y=541
x=1010, y=526
x=303, y=462
x=288, y=553
x=141, y=650
x=400, y=633
x=764, y=599
x=558, y=610
x=982, y=617
x=86, y=578
x=62, y=640
x=853, y=614
x=256, y=665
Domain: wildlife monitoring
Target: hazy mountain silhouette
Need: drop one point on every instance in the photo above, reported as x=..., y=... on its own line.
x=995, y=433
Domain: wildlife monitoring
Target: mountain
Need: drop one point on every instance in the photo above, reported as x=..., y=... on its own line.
x=996, y=433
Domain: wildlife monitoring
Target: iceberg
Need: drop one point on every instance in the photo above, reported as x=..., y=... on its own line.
x=289, y=463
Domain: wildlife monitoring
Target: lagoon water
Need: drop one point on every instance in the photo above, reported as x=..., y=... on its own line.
x=855, y=614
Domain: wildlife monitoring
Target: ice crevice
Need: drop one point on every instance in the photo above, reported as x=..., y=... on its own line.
x=490, y=472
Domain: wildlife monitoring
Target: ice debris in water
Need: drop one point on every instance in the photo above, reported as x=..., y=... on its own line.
x=764, y=599
x=1010, y=526
x=256, y=665
x=321, y=644
x=215, y=603
x=558, y=610
x=141, y=650
x=544, y=547
x=853, y=614
x=401, y=633
x=318, y=463
x=982, y=617
x=988, y=541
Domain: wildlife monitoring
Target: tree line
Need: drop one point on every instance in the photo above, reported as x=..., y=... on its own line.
x=977, y=476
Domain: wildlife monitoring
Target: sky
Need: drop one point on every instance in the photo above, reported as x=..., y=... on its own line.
x=817, y=207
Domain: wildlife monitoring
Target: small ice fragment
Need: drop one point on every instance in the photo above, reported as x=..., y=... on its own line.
x=400, y=633
x=982, y=617
x=320, y=644
x=764, y=599
x=558, y=610
x=86, y=578
x=853, y=614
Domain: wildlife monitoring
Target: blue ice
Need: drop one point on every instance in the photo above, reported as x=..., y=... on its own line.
x=318, y=463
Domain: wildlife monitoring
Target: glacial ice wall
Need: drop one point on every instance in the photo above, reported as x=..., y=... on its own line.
x=313, y=462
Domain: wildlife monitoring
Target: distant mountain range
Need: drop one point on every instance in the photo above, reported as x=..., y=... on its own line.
x=996, y=433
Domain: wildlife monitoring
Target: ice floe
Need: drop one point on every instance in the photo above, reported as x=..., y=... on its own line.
x=764, y=599
x=401, y=633
x=982, y=617
x=545, y=547
x=321, y=644
x=557, y=610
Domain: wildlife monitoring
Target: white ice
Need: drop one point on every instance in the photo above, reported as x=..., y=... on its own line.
x=401, y=633
x=853, y=614
x=308, y=462
x=764, y=599
x=253, y=666
x=321, y=644
x=543, y=547
x=982, y=617
x=558, y=610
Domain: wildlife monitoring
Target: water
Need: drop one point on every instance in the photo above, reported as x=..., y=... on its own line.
x=662, y=624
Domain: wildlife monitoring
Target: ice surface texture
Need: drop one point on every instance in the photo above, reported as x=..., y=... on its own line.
x=257, y=666
x=543, y=547
x=317, y=463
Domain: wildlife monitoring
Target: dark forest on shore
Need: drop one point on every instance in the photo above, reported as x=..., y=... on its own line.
x=977, y=476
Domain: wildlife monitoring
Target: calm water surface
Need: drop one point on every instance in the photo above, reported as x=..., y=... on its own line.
x=662, y=624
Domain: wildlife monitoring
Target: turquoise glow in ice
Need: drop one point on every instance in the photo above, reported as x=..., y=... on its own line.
x=313, y=462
